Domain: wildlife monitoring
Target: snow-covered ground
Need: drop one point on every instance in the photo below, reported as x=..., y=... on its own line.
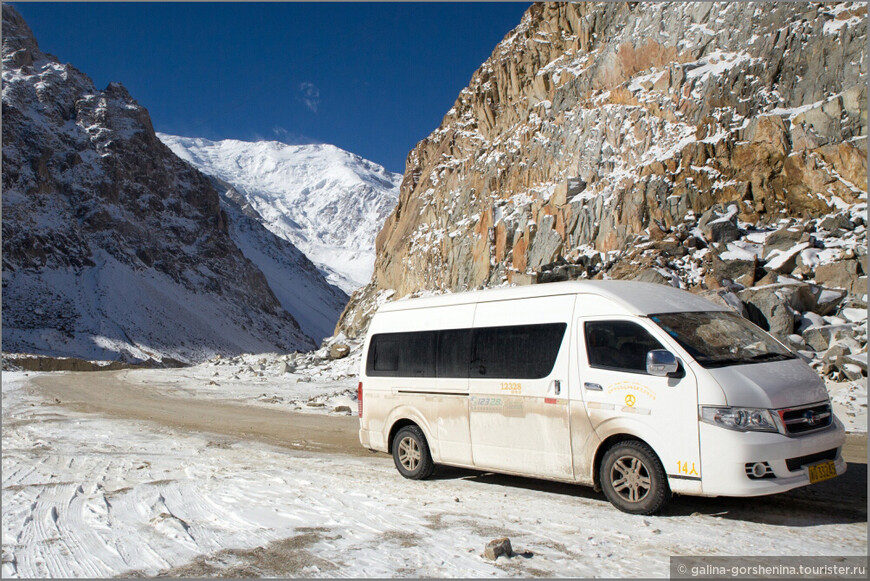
x=308, y=382
x=849, y=399
x=89, y=496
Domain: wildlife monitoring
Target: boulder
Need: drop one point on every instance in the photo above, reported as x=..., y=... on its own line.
x=768, y=279
x=726, y=298
x=338, y=351
x=782, y=240
x=854, y=315
x=845, y=274
x=801, y=296
x=784, y=261
x=828, y=301
x=720, y=225
x=498, y=547
x=523, y=279
x=808, y=320
x=769, y=311
x=851, y=371
x=835, y=352
x=740, y=271
x=796, y=342
x=816, y=338
x=822, y=338
x=653, y=275
x=857, y=359
x=836, y=222
x=557, y=274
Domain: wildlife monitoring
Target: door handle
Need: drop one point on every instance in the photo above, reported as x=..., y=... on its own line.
x=593, y=387
x=557, y=386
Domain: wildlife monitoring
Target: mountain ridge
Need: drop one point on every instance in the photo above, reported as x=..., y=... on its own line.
x=114, y=248
x=328, y=202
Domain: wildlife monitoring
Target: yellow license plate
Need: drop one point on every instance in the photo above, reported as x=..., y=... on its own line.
x=822, y=471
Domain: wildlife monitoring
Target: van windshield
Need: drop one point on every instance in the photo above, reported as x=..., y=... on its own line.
x=719, y=339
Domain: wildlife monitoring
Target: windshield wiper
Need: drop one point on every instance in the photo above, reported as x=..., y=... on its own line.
x=769, y=356
x=710, y=362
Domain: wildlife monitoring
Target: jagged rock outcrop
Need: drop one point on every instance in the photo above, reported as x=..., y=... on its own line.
x=113, y=248
x=660, y=141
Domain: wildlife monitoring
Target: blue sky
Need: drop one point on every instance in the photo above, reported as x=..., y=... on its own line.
x=372, y=78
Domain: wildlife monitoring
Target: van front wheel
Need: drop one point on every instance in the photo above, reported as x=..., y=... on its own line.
x=411, y=454
x=633, y=478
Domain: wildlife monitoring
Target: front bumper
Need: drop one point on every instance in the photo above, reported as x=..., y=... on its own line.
x=725, y=454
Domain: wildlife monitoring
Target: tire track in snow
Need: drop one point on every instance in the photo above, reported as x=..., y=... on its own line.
x=242, y=502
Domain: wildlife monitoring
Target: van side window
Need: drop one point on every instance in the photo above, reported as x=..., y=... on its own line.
x=621, y=345
x=402, y=355
x=454, y=352
x=517, y=352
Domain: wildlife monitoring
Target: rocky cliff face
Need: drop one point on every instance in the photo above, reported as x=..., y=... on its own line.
x=713, y=146
x=112, y=246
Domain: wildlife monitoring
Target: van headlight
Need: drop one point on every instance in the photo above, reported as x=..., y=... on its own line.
x=740, y=419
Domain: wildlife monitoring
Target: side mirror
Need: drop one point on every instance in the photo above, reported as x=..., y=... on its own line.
x=661, y=363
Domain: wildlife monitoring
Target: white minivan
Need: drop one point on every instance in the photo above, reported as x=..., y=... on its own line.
x=638, y=389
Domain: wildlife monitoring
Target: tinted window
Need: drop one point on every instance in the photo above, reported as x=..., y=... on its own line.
x=520, y=352
x=402, y=355
x=454, y=351
x=619, y=345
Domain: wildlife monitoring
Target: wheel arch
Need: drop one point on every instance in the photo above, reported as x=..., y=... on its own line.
x=602, y=449
x=405, y=415
x=398, y=425
x=618, y=429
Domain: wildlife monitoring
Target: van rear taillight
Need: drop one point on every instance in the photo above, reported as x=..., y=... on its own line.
x=359, y=398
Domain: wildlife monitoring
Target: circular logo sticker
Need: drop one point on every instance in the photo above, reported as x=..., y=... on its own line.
x=630, y=400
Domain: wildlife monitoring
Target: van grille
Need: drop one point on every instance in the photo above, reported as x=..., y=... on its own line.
x=794, y=464
x=807, y=418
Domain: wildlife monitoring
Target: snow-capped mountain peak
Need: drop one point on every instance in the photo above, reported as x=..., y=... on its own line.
x=328, y=202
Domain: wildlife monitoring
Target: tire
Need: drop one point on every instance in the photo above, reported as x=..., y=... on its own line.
x=411, y=453
x=633, y=479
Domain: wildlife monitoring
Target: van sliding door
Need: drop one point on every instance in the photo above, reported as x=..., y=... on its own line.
x=518, y=386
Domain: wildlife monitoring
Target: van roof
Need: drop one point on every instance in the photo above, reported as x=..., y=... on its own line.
x=639, y=298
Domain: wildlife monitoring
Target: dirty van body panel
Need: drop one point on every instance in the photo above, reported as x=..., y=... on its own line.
x=447, y=424
x=521, y=424
x=621, y=398
x=770, y=385
x=584, y=439
x=439, y=406
x=584, y=442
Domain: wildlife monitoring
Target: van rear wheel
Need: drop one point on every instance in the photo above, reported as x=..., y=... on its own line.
x=633, y=479
x=411, y=454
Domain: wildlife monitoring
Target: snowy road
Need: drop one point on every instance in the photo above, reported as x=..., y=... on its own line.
x=110, y=394
x=101, y=477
